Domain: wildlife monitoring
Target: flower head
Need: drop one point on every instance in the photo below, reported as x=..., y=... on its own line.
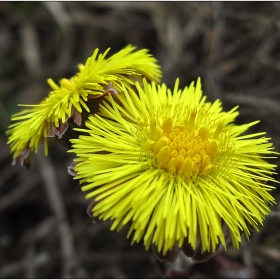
x=98, y=77
x=175, y=167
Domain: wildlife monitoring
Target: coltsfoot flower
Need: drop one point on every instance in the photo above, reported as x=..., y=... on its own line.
x=176, y=168
x=73, y=97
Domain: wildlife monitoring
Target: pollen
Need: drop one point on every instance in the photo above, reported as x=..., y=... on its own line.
x=184, y=150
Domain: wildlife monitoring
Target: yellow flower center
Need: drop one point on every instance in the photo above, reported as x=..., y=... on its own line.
x=185, y=150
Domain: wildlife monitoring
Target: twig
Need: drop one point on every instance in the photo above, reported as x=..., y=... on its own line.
x=31, y=49
x=271, y=253
x=57, y=205
x=104, y=257
x=247, y=257
x=19, y=192
x=257, y=102
x=42, y=230
x=116, y=272
x=14, y=268
x=274, y=214
x=65, y=23
x=30, y=267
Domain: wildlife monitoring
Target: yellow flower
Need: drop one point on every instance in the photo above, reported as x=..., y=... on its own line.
x=175, y=167
x=98, y=77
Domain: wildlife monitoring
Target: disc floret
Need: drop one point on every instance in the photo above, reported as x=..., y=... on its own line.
x=184, y=150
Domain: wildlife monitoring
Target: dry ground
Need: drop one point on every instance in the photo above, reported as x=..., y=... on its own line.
x=233, y=46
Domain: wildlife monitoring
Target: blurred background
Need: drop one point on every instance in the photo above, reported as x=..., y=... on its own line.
x=233, y=46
